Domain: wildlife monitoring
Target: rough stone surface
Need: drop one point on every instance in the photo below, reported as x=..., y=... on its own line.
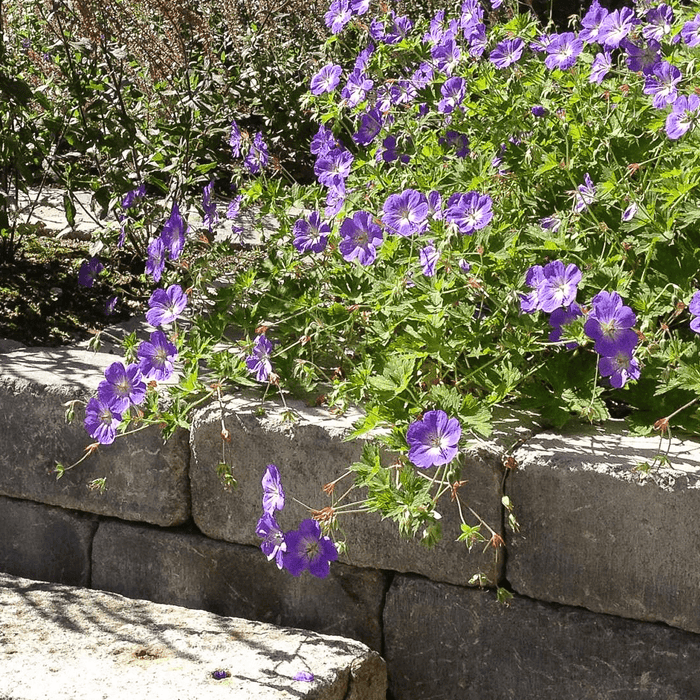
x=597, y=533
x=450, y=643
x=44, y=542
x=309, y=453
x=146, y=479
x=63, y=642
x=191, y=570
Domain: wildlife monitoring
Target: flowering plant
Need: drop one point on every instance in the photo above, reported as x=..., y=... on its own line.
x=502, y=213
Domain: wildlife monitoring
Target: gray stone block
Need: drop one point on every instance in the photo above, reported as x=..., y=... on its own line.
x=309, y=453
x=44, y=542
x=191, y=570
x=146, y=479
x=64, y=642
x=597, y=533
x=445, y=642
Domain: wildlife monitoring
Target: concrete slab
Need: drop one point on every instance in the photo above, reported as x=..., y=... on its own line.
x=44, y=542
x=188, y=569
x=62, y=642
x=599, y=533
x=452, y=643
x=309, y=453
x=146, y=479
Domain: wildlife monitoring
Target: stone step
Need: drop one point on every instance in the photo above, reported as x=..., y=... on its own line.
x=60, y=641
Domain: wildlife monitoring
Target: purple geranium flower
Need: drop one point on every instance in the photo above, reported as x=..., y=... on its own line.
x=660, y=20
x=602, y=64
x=551, y=223
x=690, y=32
x=133, y=196
x=338, y=16
x=538, y=111
x=273, y=493
x=370, y=125
x=471, y=15
x=166, y=305
x=694, y=308
x=452, y=91
x=89, y=271
x=356, y=88
x=335, y=199
x=469, y=212
x=661, y=83
x=122, y=387
x=258, y=156
x=435, y=205
x=312, y=234
x=456, y=140
x=273, y=545
x=235, y=139
x=259, y=362
x=323, y=141
x=561, y=317
x=563, y=50
x=629, y=213
x=308, y=548
x=389, y=153
x=610, y=323
x=155, y=262
x=641, y=58
x=361, y=237
x=683, y=116
x=616, y=26
x=433, y=440
x=334, y=167
x=428, y=256
x=406, y=213
x=534, y=278
x=621, y=367
x=591, y=23
x=363, y=57
x=585, y=194
x=173, y=233
x=507, y=52
x=101, y=421
x=559, y=286
x=326, y=80
x=157, y=357
x=446, y=55
x=477, y=41
x=211, y=216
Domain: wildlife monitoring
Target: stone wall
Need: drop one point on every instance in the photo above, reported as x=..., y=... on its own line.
x=604, y=571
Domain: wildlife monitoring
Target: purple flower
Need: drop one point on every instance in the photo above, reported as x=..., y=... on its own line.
x=422, y=76
x=388, y=152
x=101, y=421
x=538, y=111
x=356, y=88
x=690, y=32
x=585, y=194
x=157, y=357
x=89, y=271
x=273, y=493
x=477, y=41
x=559, y=286
x=122, y=387
x=155, y=262
x=602, y=64
x=211, y=216
x=220, y=674
x=694, y=308
x=173, y=233
x=303, y=676
x=166, y=305
x=259, y=362
x=333, y=168
x=456, y=140
x=406, y=213
x=562, y=51
x=111, y=305
x=472, y=14
x=469, y=212
x=428, y=257
x=561, y=317
x=534, y=278
x=370, y=125
x=235, y=139
x=338, y=16
x=363, y=57
x=361, y=237
x=323, y=141
x=433, y=440
x=661, y=83
x=615, y=27
x=660, y=19
x=273, y=545
x=683, y=116
x=610, y=323
x=308, y=548
x=621, y=367
x=435, y=205
x=507, y=52
x=359, y=7
x=131, y=197
x=446, y=55
x=258, y=156
x=629, y=213
x=591, y=23
x=335, y=199
x=641, y=58
x=452, y=91
x=398, y=29
x=326, y=80
x=551, y=223
x=312, y=234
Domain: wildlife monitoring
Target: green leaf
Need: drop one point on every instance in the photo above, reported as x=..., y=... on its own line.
x=69, y=208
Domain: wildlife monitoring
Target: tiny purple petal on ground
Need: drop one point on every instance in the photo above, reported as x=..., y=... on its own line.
x=304, y=676
x=433, y=440
x=166, y=305
x=220, y=674
x=308, y=548
x=89, y=271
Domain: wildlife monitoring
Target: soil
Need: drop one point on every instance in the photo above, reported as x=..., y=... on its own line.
x=42, y=304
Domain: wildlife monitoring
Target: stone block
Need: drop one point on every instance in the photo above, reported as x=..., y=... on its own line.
x=445, y=642
x=146, y=479
x=599, y=533
x=64, y=642
x=44, y=542
x=309, y=453
x=188, y=569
